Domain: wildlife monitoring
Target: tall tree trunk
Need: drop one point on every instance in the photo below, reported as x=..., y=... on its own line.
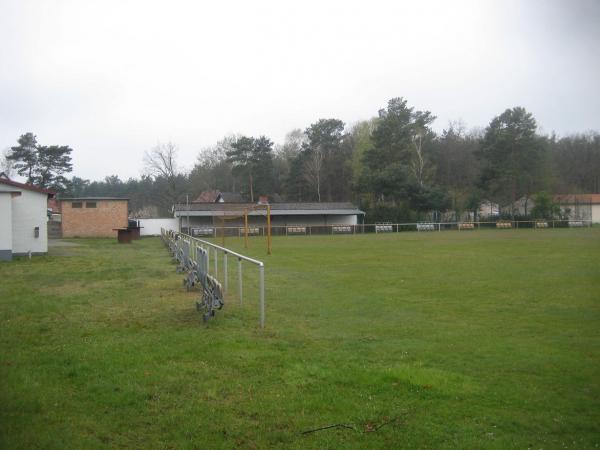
x=251, y=189
x=319, y=187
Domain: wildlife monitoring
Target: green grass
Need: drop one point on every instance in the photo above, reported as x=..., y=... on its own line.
x=485, y=339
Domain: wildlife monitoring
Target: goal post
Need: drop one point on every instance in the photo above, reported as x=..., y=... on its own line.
x=268, y=216
x=236, y=216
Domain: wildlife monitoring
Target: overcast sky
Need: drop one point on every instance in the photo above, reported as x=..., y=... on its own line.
x=112, y=78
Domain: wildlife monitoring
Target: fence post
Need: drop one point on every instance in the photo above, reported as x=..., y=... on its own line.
x=262, y=295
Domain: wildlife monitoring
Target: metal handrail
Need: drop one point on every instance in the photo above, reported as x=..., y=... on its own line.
x=225, y=250
x=240, y=257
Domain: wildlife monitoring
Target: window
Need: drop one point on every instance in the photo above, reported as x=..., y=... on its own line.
x=90, y=204
x=75, y=204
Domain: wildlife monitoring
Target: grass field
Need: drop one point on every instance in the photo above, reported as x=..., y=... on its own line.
x=485, y=339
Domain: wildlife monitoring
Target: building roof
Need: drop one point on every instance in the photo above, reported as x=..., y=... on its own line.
x=5, y=180
x=71, y=199
x=212, y=209
x=207, y=197
x=218, y=196
x=578, y=198
x=229, y=197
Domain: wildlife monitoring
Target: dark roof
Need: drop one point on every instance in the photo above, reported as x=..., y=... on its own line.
x=274, y=206
x=70, y=199
x=29, y=187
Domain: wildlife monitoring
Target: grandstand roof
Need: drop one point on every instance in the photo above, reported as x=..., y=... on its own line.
x=211, y=209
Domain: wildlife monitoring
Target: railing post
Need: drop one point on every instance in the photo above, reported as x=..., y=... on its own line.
x=216, y=263
x=240, y=279
x=225, y=285
x=208, y=259
x=261, y=268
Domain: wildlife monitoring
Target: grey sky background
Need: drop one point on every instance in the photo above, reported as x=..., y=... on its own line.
x=111, y=78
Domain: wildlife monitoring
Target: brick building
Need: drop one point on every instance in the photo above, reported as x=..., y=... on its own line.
x=93, y=216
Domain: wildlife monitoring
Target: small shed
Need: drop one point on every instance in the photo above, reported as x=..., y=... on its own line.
x=23, y=219
x=93, y=216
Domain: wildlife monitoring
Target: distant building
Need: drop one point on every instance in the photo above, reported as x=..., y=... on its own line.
x=488, y=209
x=93, y=216
x=205, y=215
x=580, y=206
x=522, y=207
x=23, y=219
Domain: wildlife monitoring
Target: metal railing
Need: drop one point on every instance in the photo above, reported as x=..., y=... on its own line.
x=377, y=228
x=208, y=247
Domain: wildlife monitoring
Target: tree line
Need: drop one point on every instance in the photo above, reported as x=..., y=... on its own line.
x=394, y=166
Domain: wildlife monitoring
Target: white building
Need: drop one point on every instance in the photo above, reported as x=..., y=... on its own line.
x=580, y=206
x=23, y=219
x=488, y=209
x=218, y=214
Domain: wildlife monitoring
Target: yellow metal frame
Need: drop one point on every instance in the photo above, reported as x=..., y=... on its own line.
x=269, y=240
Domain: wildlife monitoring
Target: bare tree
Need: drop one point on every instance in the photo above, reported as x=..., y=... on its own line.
x=417, y=163
x=161, y=163
x=292, y=145
x=313, y=167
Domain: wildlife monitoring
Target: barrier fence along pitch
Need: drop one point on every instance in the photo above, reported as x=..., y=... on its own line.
x=383, y=228
x=174, y=240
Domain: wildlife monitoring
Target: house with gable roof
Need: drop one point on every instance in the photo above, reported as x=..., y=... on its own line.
x=23, y=218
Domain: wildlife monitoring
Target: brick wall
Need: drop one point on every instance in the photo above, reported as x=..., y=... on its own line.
x=93, y=222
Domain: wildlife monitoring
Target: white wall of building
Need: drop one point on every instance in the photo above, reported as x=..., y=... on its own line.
x=30, y=210
x=314, y=220
x=595, y=213
x=151, y=227
x=276, y=220
x=5, y=226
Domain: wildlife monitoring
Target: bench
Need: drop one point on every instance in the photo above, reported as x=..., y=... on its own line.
x=466, y=226
x=541, y=224
x=204, y=231
x=425, y=227
x=576, y=223
x=341, y=229
x=296, y=230
x=384, y=228
x=252, y=231
x=503, y=224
